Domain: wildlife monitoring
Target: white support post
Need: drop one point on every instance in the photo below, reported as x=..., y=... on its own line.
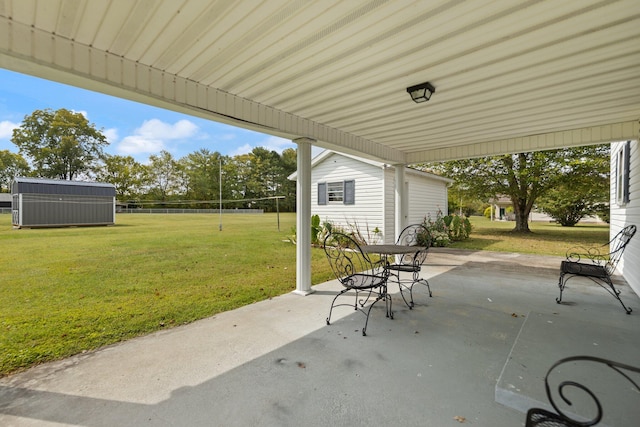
x=303, y=217
x=400, y=201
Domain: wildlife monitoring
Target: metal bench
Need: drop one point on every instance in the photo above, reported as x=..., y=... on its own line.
x=538, y=417
x=597, y=264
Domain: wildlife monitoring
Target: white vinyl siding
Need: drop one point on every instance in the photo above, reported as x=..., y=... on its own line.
x=367, y=210
x=374, y=189
x=627, y=214
x=427, y=197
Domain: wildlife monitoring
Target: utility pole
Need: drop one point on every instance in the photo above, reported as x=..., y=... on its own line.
x=220, y=193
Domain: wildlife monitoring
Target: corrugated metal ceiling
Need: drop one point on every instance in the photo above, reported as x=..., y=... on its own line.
x=502, y=69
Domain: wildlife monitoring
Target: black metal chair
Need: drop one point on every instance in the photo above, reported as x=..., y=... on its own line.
x=412, y=235
x=538, y=417
x=597, y=264
x=356, y=272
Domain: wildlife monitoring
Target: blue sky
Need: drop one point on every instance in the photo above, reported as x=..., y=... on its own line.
x=131, y=128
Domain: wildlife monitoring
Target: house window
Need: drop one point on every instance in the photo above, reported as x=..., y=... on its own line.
x=339, y=192
x=622, y=174
x=335, y=192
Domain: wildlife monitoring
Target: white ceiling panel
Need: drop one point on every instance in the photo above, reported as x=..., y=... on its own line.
x=337, y=71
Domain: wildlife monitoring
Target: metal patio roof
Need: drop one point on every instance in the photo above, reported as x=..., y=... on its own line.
x=509, y=75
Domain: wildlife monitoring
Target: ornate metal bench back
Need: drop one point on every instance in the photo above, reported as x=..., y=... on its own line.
x=617, y=246
x=563, y=386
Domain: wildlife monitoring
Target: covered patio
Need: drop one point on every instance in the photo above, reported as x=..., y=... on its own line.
x=475, y=353
x=505, y=76
x=509, y=76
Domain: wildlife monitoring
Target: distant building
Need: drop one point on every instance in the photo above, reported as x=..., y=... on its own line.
x=500, y=209
x=351, y=191
x=40, y=202
x=5, y=201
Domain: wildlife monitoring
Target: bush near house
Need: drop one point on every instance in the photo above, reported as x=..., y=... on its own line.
x=447, y=229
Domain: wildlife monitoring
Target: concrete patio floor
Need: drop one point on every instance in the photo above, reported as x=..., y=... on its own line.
x=474, y=354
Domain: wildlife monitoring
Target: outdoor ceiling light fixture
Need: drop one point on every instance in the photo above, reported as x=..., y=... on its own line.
x=422, y=92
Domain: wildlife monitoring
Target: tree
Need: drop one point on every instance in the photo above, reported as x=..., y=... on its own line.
x=463, y=202
x=289, y=161
x=202, y=170
x=262, y=174
x=166, y=177
x=127, y=175
x=582, y=191
x=523, y=177
x=12, y=165
x=59, y=144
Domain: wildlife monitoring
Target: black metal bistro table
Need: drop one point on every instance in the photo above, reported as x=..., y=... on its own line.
x=404, y=250
x=392, y=249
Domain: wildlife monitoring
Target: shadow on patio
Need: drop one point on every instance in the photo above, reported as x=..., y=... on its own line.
x=476, y=353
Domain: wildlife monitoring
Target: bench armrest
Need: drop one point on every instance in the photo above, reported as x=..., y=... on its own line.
x=582, y=254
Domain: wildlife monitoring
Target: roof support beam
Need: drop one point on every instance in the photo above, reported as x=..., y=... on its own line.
x=303, y=217
x=401, y=202
x=548, y=141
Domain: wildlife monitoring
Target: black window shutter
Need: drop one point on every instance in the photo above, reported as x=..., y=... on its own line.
x=322, y=193
x=627, y=161
x=349, y=192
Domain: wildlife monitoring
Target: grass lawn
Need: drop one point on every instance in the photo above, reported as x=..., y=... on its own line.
x=68, y=290
x=545, y=239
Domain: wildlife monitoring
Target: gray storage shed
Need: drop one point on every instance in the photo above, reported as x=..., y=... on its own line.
x=5, y=200
x=40, y=202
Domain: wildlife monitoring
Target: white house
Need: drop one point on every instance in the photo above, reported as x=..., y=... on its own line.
x=351, y=191
x=625, y=205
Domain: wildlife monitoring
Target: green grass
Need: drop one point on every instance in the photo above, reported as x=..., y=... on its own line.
x=545, y=239
x=68, y=290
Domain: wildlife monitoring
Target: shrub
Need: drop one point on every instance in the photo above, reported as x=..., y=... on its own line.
x=364, y=236
x=438, y=229
x=446, y=229
x=459, y=227
x=319, y=231
x=315, y=228
x=440, y=239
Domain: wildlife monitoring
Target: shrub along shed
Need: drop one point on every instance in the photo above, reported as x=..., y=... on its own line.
x=56, y=203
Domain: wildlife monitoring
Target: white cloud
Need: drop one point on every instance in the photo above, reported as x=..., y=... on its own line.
x=275, y=143
x=155, y=128
x=272, y=143
x=137, y=144
x=111, y=135
x=243, y=149
x=154, y=135
x=6, y=129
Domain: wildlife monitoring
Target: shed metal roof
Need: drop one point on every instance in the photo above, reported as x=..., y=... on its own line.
x=56, y=186
x=509, y=75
